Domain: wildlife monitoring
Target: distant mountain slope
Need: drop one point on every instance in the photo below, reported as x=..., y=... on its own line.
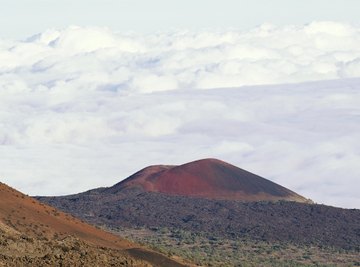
x=35, y=234
x=284, y=221
x=207, y=178
x=196, y=197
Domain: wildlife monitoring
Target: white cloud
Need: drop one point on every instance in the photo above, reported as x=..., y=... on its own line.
x=351, y=68
x=266, y=55
x=85, y=107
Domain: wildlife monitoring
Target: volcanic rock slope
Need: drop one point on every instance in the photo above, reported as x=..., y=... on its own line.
x=35, y=234
x=207, y=178
x=218, y=199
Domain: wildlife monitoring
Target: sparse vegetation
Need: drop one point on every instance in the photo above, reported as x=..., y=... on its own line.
x=21, y=250
x=206, y=250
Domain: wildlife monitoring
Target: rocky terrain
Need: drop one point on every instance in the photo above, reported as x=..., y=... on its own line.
x=21, y=250
x=35, y=234
x=257, y=212
x=283, y=221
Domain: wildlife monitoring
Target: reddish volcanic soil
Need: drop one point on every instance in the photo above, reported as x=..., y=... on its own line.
x=35, y=219
x=28, y=228
x=207, y=178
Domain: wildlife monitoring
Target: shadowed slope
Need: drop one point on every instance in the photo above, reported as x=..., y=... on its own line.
x=208, y=178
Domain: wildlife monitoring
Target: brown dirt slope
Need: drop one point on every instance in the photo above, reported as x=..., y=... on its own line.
x=35, y=234
x=207, y=178
x=35, y=219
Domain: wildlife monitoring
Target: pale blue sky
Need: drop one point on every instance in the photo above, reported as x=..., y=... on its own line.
x=21, y=18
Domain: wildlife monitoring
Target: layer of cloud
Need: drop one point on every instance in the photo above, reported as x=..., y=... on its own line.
x=86, y=107
x=304, y=136
x=98, y=59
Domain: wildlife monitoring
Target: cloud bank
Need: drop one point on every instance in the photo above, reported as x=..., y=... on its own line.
x=98, y=59
x=86, y=107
